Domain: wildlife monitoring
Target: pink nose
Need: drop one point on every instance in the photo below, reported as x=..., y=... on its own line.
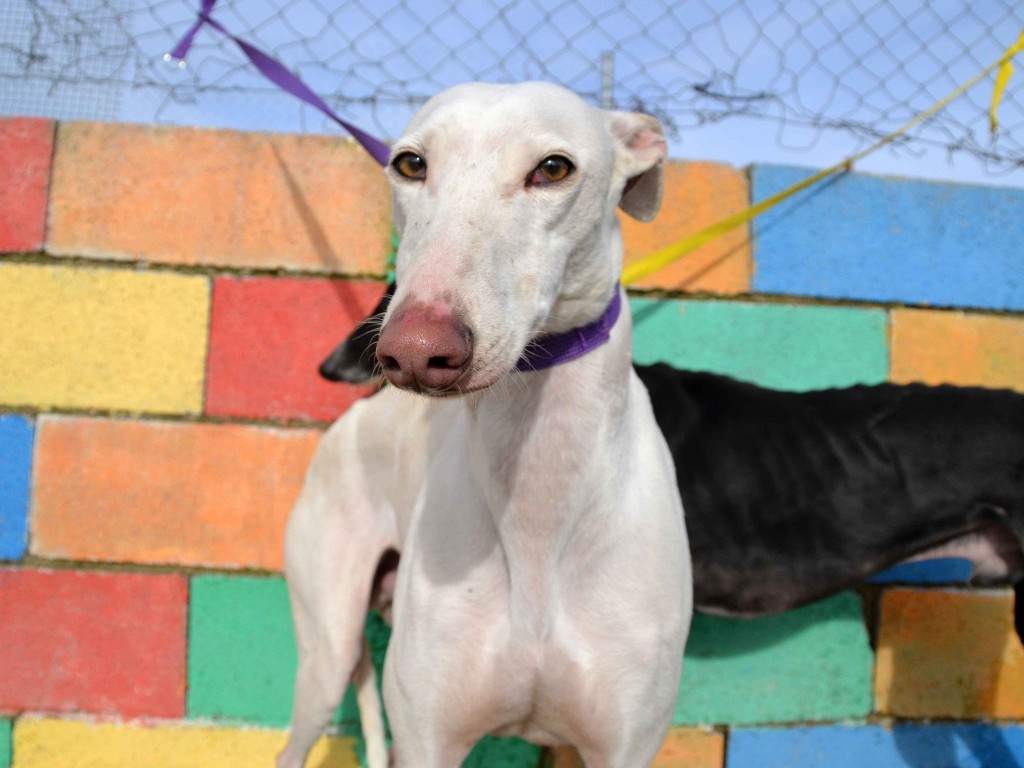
x=424, y=348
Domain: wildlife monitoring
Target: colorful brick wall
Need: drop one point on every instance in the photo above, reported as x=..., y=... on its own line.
x=165, y=297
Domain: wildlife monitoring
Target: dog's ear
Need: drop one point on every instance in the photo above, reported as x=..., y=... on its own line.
x=640, y=154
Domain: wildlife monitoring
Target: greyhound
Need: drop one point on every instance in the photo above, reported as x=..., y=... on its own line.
x=793, y=496
x=544, y=589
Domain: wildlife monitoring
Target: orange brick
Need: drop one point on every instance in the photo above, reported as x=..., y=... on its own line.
x=153, y=492
x=691, y=748
x=696, y=195
x=565, y=757
x=949, y=654
x=198, y=196
x=683, y=748
x=937, y=347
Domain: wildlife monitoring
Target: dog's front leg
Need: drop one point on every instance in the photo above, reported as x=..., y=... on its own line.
x=633, y=755
x=431, y=690
x=333, y=544
x=420, y=737
x=442, y=690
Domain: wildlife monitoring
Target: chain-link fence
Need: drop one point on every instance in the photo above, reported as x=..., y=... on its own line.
x=862, y=67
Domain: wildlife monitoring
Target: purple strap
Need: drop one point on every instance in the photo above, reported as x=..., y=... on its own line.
x=274, y=71
x=549, y=351
x=544, y=352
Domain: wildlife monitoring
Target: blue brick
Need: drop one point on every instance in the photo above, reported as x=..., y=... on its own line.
x=903, y=746
x=890, y=240
x=775, y=345
x=16, y=437
x=945, y=570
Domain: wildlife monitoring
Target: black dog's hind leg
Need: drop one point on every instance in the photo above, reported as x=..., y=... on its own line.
x=355, y=359
x=1015, y=521
x=1018, y=609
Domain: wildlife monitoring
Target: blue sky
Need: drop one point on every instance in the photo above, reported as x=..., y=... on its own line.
x=661, y=49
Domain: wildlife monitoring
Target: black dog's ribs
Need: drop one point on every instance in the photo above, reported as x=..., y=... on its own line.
x=791, y=497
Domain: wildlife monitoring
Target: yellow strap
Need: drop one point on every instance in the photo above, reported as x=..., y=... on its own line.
x=662, y=258
x=1002, y=78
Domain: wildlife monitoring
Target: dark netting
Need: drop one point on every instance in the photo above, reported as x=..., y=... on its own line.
x=808, y=68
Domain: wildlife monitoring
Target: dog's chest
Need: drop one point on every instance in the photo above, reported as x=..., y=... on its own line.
x=525, y=612
x=527, y=566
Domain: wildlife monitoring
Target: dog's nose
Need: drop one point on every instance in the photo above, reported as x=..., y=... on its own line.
x=425, y=351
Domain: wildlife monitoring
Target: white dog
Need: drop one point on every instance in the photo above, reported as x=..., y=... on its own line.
x=544, y=588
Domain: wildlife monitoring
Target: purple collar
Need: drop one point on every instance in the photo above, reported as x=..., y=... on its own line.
x=549, y=351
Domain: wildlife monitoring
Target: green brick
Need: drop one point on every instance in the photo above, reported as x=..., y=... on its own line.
x=792, y=347
x=5, y=743
x=242, y=656
x=492, y=752
x=242, y=660
x=241, y=650
x=810, y=664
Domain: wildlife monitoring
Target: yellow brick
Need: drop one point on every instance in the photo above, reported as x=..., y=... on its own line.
x=102, y=338
x=52, y=743
x=937, y=347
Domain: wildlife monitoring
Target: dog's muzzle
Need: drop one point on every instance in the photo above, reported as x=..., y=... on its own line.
x=425, y=349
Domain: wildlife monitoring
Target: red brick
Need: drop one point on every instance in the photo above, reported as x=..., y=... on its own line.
x=104, y=643
x=267, y=337
x=26, y=148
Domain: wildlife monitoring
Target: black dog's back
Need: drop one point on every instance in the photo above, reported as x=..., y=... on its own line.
x=790, y=497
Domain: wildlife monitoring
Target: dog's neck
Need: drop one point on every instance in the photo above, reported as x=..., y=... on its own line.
x=558, y=348
x=604, y=352
x=540, y=449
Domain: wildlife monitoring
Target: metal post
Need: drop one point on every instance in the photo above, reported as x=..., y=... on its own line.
x=607, y=79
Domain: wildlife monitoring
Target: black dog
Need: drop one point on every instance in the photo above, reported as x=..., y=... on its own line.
x=791, y=497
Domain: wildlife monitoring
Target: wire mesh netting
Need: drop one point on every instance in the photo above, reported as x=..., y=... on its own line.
x=808, y=68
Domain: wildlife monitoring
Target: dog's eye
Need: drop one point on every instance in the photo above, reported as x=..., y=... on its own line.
x=550, y=170
x=410, y=165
